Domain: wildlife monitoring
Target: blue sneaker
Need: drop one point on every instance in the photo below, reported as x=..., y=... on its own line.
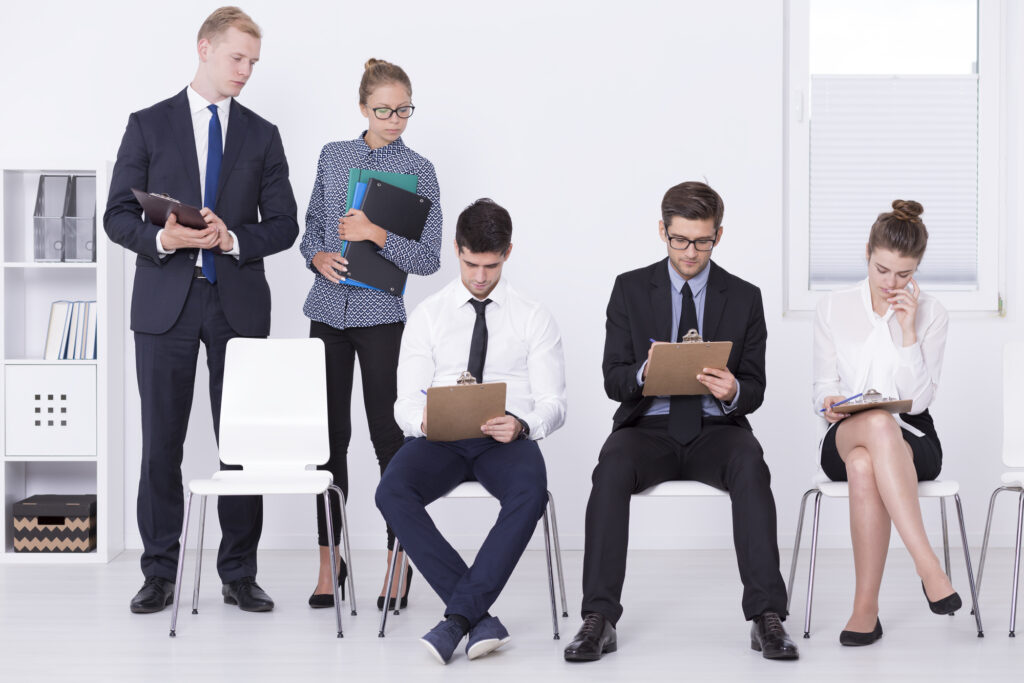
x=487, y=636
x=443, y=639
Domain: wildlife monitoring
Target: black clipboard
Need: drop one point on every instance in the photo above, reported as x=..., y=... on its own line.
x=396, y=210
x=159, y=207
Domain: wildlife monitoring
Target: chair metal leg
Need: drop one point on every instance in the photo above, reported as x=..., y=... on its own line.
x=551, y=576
x=814, y=557
x=1016, y=566
x=199, y=554
x=334, y=559
x=403, y=572
x=967, y=561
x=181, y=565
x=945, y=542
x=387, y=582
x=796, y=546
x=558, y=553
x=988, y=529
x=345, y=548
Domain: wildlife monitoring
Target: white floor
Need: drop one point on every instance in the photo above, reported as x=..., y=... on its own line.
x=682, y=622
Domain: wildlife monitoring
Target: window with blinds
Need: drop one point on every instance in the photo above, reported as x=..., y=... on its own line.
x=895, y=99
x=878, y=138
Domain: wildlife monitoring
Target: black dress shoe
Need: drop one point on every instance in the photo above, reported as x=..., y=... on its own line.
x=405, y=594
x=155, y=594
x=768, y=637
x=856, y=638
x=318, y=600
x=595, y=637
x=247, y=594
x=946, y=605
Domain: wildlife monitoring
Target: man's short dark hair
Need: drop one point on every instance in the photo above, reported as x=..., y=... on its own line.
x=692, y=201
x=484, y=227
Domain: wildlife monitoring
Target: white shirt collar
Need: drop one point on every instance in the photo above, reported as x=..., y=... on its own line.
x=461, y=295
x=197, y=103
x=865, y=295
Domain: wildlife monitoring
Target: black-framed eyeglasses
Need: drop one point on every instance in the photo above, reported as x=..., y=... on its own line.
x=384, y=113
x=700, y=244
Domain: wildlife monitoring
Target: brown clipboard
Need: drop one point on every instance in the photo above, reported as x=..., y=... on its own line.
x=894, y=406
x=159, y=207
x=457, y=412
x=673, y=368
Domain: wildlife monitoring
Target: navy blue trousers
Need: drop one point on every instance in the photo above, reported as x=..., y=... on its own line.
x=422, y=471
x=166, y=368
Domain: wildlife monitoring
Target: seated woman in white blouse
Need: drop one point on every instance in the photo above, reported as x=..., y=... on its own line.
x=884, y=334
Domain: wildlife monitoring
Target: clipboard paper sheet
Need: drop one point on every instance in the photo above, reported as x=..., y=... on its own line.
x=457, y=412
x=892, y=406
x=674, y=368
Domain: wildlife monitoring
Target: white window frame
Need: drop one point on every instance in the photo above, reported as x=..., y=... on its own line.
x=799, y=295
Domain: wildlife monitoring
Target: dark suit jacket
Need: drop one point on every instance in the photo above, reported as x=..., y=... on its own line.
x=640, y=309
x=254, y=199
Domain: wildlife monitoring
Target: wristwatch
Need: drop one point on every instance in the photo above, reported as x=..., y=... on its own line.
x=524, y=433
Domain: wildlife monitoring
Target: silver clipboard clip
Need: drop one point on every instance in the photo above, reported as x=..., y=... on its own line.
x=691, y=337
x=466, y=378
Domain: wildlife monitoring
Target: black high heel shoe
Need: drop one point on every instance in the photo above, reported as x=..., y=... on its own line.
x=856, y=638
x=319, y=600
x=405, y=594
x=946, y=605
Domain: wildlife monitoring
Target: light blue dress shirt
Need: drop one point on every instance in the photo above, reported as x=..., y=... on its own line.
x=698, y=287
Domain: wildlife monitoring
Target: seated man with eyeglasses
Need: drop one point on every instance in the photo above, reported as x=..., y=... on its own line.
x=703, y=438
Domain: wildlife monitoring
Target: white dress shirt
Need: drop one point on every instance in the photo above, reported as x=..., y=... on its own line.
x=524, y=350
x=198, y=105
x=855, y=349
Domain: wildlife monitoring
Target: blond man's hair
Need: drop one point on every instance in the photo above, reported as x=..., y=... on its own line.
x=224, y=18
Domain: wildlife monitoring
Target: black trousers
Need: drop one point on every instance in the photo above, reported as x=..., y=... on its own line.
x=423, y=471
x=724, y=456
x=377, y=348
x=166, y=368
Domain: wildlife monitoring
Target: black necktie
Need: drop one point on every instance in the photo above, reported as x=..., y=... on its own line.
x=684, y=412
x=478, y=346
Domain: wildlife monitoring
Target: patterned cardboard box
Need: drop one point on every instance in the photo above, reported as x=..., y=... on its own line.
x=55, y=524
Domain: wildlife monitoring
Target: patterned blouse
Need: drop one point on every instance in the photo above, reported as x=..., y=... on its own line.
x=342, y=305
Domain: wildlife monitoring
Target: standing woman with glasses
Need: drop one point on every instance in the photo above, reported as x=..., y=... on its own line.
x=888, y=335
x=353, y=320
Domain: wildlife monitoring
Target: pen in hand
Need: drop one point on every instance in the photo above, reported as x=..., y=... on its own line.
x=845, y=400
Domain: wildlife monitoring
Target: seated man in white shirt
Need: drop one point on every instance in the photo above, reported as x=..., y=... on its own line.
x=480, y=324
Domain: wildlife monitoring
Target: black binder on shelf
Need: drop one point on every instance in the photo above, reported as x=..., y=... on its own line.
x=396, y=210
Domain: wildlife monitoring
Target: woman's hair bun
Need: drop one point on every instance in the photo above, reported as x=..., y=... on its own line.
x=906, y=210
x=372, y=62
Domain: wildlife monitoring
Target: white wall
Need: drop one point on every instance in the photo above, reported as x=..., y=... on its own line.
x=577, y=120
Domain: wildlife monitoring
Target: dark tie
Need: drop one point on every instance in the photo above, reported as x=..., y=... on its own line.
x=684, y=412
x=478, y=346
x=214, y=154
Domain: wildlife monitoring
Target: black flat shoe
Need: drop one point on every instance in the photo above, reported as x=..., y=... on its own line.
x=946, y=605
x=405, y=594
x=856, y=638
x=247, y=594
x=768, y=637
x=155, y=594
x=320, y=600
x=596, y=637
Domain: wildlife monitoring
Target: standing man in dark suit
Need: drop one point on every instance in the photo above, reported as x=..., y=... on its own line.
x=192, y=286
x=702, y=438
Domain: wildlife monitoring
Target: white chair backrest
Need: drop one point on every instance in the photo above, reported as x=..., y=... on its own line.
x=274, y=404
x=1013, y=404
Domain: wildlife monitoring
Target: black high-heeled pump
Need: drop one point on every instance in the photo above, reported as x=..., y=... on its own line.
x=319, y=600
x=946, y=605
x=405, y=594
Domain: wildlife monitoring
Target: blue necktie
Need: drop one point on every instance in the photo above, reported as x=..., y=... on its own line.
x=214, y=154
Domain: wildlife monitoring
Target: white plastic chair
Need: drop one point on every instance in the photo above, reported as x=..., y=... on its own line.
x=1013, y=456
x=474, y=489
x=821, y=485
x=273, y=423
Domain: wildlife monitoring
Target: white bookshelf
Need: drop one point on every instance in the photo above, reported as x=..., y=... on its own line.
x=88, y=456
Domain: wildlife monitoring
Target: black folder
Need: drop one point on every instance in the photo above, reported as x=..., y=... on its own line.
x=396, y=210
x=159, y=207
